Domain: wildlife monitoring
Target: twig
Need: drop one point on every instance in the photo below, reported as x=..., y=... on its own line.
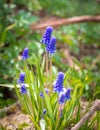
x=95, y=107
x=66, y=21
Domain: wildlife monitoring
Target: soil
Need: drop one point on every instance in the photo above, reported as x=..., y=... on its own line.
x=14, y=118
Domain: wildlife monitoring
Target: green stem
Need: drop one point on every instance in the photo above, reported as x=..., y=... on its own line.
x=51, y=72
x=51, y=67
x=46, y=60
x=46, y=63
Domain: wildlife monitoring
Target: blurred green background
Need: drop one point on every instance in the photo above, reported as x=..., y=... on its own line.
x=82, y=39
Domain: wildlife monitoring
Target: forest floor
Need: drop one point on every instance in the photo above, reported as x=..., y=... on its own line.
x=16, y=119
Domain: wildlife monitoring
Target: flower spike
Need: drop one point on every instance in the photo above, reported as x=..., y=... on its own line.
x=58, y=85
x=25, y=54
x=64, y=95
x=51, y=47
x=21, y=78
x=47, y=35
x=23, y=89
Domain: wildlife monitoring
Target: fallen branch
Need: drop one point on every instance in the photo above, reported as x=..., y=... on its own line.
x=93, y=109
x=65, y=21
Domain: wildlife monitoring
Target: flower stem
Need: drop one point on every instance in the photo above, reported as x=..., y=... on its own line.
x=51, y=67
x=46, y=62
x=51, y=72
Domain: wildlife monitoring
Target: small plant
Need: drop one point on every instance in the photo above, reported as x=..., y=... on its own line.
x=44, y=96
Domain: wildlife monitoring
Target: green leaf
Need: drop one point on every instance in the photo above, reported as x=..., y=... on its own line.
x=34, y=122
x=77, y=63
x=63, y=125
x=22, y=126
x=49, y=109
x=54, y=98
x=67, y=75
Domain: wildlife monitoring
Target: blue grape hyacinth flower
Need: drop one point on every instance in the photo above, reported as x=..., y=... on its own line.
x=23, y=89
x=58, y=85
x=41, y=95
x=51, y=47
x=61, y=97
x=47, y=35
x=64, y=95
x=46, y=90
x=25, y=54
x=21, y=78
x=44, y=111
x=68, y=94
